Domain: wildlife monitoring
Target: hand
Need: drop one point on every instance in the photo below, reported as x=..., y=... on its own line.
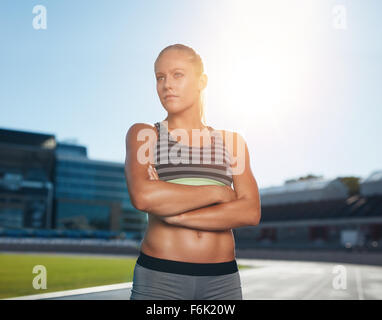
x=153, y=175
x=228, y=194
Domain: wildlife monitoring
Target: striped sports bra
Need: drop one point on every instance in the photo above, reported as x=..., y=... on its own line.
x=179, y=163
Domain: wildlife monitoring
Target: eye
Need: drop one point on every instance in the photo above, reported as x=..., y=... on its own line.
x=159, y=77
x=178, y=73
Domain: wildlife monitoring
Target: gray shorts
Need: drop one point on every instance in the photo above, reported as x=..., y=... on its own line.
x=159, y=279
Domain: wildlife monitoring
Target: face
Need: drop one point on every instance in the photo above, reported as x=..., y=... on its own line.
x=175, y=75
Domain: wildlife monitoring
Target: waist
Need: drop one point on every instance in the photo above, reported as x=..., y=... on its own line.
x=187, y=268
x=186, y=244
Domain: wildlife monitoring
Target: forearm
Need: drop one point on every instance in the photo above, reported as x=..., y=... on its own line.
x=166, y=199
x=220, y=217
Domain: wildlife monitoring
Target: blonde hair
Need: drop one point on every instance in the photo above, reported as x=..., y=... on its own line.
x=196, y=60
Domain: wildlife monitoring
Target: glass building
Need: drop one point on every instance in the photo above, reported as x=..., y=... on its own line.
x=45, y=184
x=92, y=195
x=26, y=179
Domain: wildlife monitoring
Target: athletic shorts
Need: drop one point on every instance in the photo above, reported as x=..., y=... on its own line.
x=161, y=279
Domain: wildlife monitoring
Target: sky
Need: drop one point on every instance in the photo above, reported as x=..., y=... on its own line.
x=300, y=80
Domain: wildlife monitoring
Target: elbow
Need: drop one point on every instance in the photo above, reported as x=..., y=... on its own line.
x=136, y=194
x=138, y=201
x=254, y=212
x=138, y=204
x=256, y=217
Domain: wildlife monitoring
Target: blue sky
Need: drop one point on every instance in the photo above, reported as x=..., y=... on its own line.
x=305, y=95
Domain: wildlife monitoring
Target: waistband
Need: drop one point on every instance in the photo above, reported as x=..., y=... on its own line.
x=187, y=268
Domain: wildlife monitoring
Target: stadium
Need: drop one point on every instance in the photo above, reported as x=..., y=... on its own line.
x=54, y=199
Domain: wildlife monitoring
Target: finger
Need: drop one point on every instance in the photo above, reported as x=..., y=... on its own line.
x=156, y=173
x=151, y=175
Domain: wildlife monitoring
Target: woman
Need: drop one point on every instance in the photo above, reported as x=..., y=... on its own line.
x=188, y=251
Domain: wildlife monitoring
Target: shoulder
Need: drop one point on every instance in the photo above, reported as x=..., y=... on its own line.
x=232, y=140
x=139, y=131
x=136, y=128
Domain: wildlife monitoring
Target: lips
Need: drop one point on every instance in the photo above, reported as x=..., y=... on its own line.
x=170, y=96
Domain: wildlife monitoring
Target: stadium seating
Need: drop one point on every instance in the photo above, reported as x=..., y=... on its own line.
x=331, y=209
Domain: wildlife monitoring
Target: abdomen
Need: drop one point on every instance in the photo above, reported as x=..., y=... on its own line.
x=170, y=242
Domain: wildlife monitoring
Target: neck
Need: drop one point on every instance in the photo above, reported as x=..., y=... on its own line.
x=188, y=119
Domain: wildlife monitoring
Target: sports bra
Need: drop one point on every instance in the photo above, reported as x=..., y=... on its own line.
x=179, y=163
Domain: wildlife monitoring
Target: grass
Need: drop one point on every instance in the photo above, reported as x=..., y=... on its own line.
x=63, y=272
x=242, y=266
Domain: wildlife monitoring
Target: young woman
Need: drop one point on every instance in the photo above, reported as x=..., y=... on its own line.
x=188, y=251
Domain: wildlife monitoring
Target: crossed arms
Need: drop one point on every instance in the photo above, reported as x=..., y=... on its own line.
x=207, y=208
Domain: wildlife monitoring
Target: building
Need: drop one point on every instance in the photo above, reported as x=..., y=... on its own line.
x=317, y=214
x=45, y=184
x=92, y=194
x=27, y=163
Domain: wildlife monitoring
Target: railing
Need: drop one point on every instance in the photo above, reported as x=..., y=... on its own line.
x=68, y=234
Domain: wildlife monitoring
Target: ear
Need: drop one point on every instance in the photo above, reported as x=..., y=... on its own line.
x=203, y=81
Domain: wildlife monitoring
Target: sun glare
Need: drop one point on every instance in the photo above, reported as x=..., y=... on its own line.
x=264, y=64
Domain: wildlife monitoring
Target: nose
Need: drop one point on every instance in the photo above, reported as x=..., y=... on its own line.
x=167, y=83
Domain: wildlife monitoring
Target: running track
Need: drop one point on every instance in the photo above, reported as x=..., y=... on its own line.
x=271, y=279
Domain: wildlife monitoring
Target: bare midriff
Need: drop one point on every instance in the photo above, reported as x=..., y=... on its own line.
x=166, y=241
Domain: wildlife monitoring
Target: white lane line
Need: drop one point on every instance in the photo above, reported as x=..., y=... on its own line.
x=359, y=284
x=58, y=294
x=320, y=284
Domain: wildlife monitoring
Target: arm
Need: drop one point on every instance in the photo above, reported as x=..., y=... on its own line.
x=245, y=211
x=219, y=217
x=167, y=199
x=160, y=197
